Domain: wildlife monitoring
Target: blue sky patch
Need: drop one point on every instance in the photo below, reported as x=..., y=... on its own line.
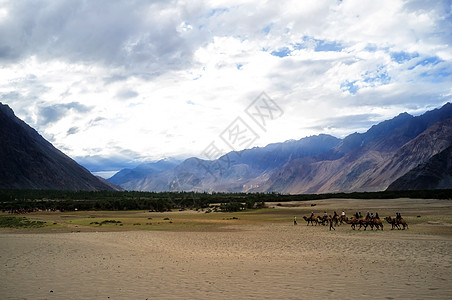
x=401, y=57
x=350, y=87
x=309, y=43
x=328, y=46
x=281, y=52
x=267, y=29
x=432, y=60
x=379, y=77
x=441, y=75
x=371, y=48
x=217, y=11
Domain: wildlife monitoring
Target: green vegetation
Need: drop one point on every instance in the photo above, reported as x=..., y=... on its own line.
x=29, y=200
x=106, y=222
x=19, y=222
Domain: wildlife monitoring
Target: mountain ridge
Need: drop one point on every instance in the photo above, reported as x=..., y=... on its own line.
x=234, y=170
x=368, y=161
x=28, y=161
x=435, y=173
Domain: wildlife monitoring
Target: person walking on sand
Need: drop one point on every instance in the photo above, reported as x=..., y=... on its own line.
x=331, y=224
x=295, y=220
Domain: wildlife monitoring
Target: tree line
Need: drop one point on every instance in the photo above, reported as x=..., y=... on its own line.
x=164, y=201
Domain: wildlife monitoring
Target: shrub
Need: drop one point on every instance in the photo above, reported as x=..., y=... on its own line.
x=17, y=222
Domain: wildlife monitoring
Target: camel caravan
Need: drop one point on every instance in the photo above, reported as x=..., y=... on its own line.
x=357, y=220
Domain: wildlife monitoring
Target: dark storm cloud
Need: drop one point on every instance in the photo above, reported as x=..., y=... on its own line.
x=127, y=34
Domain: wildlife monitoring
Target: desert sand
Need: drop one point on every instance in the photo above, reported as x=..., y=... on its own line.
x=272, y=259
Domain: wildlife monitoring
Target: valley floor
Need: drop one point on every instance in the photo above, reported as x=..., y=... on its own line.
x=246, y=255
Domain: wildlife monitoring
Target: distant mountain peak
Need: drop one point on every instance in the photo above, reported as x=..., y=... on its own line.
x=368, y=161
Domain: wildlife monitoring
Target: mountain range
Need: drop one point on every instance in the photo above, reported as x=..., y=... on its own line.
x=435, y=173
x=404, y=153
x=385, y=156
x=28, y=161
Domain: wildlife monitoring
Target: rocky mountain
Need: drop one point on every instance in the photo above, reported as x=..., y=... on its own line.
x=373, y=163
x=126, y=175
x=28, y=161
x=435, y=173
x=368, y=161
x=235, y=171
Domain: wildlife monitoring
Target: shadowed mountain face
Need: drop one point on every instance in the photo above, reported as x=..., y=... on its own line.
x=375, y=163
x=435, y=173
x=368, y=161
x=28, y=161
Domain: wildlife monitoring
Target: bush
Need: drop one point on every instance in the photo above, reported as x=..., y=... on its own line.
x=105, y=222
x=17, y=222
x=250, y=203
x=231, y=207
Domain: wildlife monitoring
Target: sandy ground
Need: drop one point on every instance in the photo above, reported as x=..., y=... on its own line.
x=260, y=261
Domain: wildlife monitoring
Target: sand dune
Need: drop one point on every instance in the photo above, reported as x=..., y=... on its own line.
x=267, y=261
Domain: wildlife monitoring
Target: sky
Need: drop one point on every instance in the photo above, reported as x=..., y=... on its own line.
x=116, y=83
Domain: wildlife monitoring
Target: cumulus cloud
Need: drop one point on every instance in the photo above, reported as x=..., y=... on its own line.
x=53, y=113
x=128, y=34
x=72, y=130
x=126, y=94
x=165, y=78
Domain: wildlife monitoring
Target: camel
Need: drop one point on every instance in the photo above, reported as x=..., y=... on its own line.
x=343, y=219
x=397, y=222
x=372, y=222
x=336, y=219
x=310, y=219
x=368, y=221
x=402, y=222
x=393, y=223
x=353, y=222
x=324, y=220
x=364, y=222
x=377, y=223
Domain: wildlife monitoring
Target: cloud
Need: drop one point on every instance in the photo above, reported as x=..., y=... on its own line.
x=130, y=35
x=53, y=113
x=167, y=77
x=126, y=94
x=120, y=159
x=360, y=122
x=96, y=121
x=73, y=130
